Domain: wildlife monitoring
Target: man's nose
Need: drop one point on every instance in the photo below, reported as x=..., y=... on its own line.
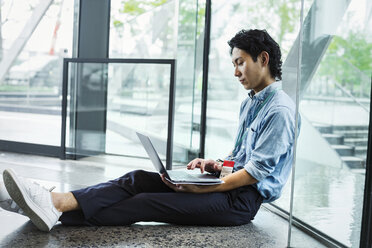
x=236, y=72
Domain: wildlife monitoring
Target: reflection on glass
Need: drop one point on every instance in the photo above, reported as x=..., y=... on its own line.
x=137, y=101
x=34, y=39
x=143, y=29
x=167, y=29
x=335, y=99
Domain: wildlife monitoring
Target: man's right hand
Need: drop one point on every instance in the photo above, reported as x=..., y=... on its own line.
x=208, y=165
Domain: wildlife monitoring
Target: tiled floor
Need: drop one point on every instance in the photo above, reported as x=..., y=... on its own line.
x=266, y=230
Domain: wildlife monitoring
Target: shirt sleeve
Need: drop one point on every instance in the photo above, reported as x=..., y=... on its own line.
x=274, y=137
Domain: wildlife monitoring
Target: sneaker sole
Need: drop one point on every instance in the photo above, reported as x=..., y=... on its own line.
x=19, y=195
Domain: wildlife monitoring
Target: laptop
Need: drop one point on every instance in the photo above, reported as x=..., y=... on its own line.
x=181, y=177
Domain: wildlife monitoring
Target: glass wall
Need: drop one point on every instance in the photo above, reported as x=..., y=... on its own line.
x=334, y=105
x=166, y=29
x=334, y=101
x=34, y=37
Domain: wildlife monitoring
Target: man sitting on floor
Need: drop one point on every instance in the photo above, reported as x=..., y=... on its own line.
x=263, y=155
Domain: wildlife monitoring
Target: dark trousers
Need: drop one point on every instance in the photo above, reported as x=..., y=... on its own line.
x=142, y=196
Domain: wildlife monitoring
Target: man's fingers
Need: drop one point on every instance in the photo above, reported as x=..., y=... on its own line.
x=190, y=163
x=175, y=187
x=198, y=163
x=209, y=165
x=195, y=164
x=166, y=182
x=181, y=187
x=202, y=165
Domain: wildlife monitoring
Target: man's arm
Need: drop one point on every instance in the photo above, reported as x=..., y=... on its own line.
x=232, y=181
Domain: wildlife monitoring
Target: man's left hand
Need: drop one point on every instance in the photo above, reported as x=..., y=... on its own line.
x=189, y=188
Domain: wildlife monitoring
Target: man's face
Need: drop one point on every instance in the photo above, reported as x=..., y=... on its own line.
x=250, y=74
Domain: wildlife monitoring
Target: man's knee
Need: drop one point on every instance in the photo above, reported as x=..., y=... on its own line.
x=133, y=174
x=140, y=178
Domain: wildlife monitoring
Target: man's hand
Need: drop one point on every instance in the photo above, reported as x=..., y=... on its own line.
x=232, y=181
x=190, y=188
x=208, y=165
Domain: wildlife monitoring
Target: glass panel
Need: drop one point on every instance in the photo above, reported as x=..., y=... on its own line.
x=137, y=101
x=335, y=100
x=190, y=45
x=143, y=29
x=225, y=94
x=35, y=36
x=166, y=29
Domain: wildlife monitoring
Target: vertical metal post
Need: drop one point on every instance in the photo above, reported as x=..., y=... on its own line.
x=366, y=230
x=64, y=109
x=298, y=86
x=94, y=29
x=203, y=117
x=171, y=115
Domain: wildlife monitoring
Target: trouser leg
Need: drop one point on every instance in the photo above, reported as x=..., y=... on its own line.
x=229, y=208
x=95, y=198
x=182, y=208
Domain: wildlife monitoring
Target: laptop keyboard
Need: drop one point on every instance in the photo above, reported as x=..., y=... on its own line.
x=182, y=176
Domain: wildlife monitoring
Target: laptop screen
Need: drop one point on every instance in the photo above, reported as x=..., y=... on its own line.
x=154, y=157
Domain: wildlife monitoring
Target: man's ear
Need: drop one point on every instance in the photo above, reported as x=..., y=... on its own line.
x=264, y=58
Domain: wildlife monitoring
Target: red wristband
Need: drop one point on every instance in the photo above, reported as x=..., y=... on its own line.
x=228, y=163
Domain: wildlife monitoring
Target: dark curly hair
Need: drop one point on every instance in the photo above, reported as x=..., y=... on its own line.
x=255, y=41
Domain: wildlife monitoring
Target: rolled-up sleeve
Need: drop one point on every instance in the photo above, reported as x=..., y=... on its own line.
x=274, y=137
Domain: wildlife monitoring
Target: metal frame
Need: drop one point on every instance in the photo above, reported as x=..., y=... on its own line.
x=29, y=148
x=297, y=103
x=366, y=230
x=171, y=62
x=203, y=114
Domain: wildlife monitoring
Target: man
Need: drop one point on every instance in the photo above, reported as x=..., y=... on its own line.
x=262, y=154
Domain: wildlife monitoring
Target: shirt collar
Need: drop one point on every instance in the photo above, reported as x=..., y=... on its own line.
x=260, y=96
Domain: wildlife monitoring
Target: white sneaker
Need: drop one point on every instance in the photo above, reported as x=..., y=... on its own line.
x=33, y=199
x=7, y=203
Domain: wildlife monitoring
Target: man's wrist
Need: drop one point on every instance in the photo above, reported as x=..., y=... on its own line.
x=220, y=162
x=215, y=172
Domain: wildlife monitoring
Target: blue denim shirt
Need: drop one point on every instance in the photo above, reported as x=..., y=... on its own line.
x=266, y=151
